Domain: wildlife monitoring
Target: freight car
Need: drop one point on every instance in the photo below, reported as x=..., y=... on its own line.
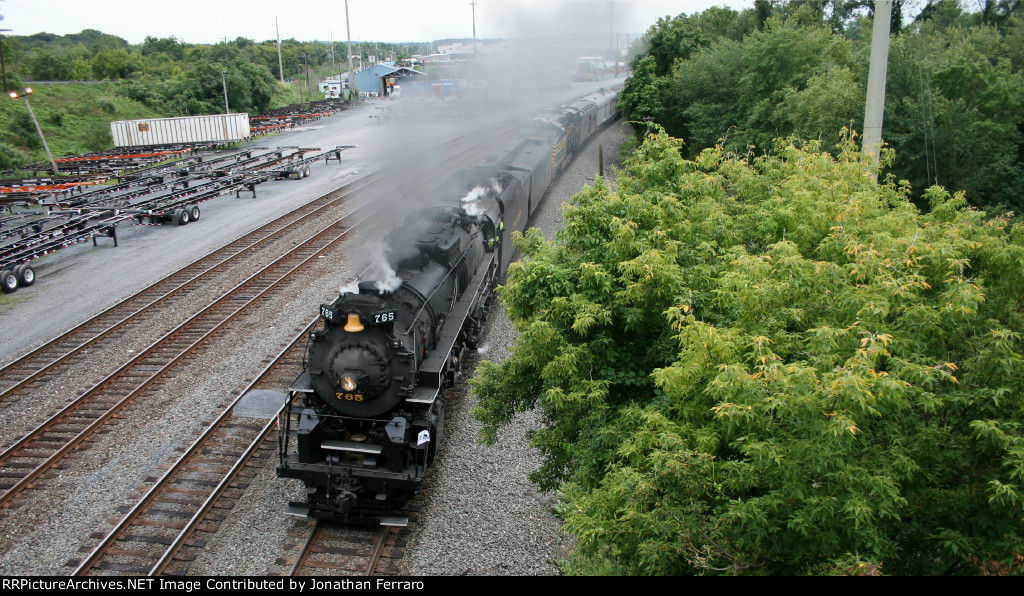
x=363, y=420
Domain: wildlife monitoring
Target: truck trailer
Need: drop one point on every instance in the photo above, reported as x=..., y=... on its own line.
x=215, y=128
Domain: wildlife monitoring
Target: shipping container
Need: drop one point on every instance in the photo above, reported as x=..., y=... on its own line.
x=332, y=89
x=216, y=128
x=446, y=88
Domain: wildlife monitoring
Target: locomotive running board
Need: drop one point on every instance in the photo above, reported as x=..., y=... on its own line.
x=351, y=446
x=297, y=509
x=423, y=395
x=302, y=383
x=399, y=521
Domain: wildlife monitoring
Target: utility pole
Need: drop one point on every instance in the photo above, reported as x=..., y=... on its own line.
x=305, y=71
x=280, y=66
x=3, y=68
x=224, y=83
x=473, y=4
x=334, y=61
x=874, y=109
x=348, y=32
x=25, y=94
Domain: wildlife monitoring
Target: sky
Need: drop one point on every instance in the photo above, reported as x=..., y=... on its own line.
x=210, y=21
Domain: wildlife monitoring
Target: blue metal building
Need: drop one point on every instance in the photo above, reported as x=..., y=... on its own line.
x=380, y=79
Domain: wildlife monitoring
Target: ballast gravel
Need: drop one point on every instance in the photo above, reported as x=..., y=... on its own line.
x=478, y=512
x=481, y=514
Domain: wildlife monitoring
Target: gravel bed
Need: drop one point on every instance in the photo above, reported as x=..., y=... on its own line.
x=92, y=366
x=480, y=514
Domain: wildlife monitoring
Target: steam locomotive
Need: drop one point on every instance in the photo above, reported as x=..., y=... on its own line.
x=364, y=419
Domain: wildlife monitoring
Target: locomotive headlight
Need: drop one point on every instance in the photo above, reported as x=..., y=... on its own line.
x=348, y=383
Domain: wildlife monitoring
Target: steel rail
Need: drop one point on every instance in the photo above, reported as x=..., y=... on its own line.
x=19, y=449
x=306, y=546
x=242, y=246
x=156, y=490
x=378, y=549
x=383, y=205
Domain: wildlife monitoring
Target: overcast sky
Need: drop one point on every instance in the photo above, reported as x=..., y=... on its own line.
x=210, y=21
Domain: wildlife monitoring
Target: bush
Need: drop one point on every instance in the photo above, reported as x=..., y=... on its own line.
x=774, y=366
x=19, y=124
x=10, y=158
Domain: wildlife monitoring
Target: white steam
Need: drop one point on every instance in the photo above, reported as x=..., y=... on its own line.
x=470, y=202
x=388, y=281
x=378, y=269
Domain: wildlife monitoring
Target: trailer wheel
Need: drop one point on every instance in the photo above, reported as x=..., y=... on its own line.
x=8, y=281
x=305, y=171
x=181, y=216
x=26, y=275
x=194, y=211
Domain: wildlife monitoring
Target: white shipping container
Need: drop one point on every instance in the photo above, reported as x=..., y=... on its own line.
x=216, y=128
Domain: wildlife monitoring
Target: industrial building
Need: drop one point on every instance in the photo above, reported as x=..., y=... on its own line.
x=381, y=79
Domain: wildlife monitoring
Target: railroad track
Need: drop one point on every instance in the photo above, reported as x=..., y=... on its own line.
x=338, y=550
x=149, y=537
x=25, y=461
x=22, y=461
x=27, y=374
x=155, y=536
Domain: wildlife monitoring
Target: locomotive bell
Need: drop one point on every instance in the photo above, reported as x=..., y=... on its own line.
x=354, y=325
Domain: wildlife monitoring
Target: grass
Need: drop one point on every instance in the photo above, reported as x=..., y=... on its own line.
x=75, y=119
x=7, y=301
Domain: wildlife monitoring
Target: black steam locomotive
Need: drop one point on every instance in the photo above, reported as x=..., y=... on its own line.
x=365, y=417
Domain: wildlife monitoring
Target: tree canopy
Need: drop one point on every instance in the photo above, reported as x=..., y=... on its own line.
x=161, y=77
x=952, y=112
x=772, y=365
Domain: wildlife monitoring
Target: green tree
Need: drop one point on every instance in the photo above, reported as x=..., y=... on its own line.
x=201, y=89
x=954, y=114
x=115, y=63
x=666, y=43
x=772, y=366
x=51, y=66
x=164, y=47
x=772, y=65
x=642, y=93
x=953, y=95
